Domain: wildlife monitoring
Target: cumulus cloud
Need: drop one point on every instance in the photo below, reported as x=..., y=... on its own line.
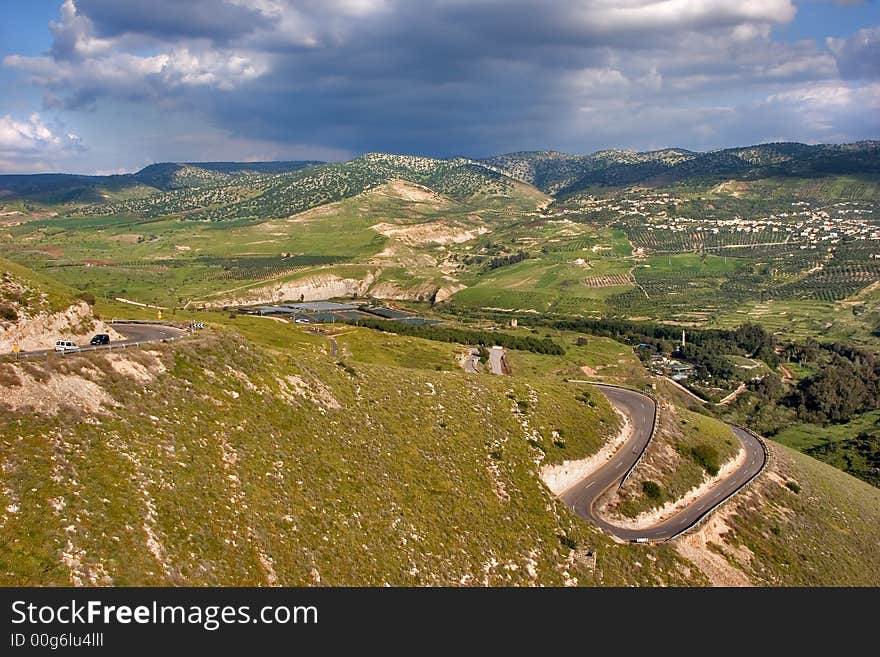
x=822, y=108
x=83, y=67
x=28, y=144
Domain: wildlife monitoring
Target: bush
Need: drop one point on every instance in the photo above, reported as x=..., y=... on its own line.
x=652, y=489
x=793, y=486
x=7, y=312
x=534, y=443
x=568, y=542
x=88, y=297
x=707, y=456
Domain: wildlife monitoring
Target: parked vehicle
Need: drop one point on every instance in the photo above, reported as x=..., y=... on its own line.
x=65, y=345
x=100, y=338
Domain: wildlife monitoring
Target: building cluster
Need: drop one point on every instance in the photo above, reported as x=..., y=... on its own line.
x=806, y=223
x=671, y=367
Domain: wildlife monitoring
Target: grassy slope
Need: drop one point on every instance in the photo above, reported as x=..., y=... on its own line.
x=804, y=436
x=214, y=477
x=610, y=360
x=57, y=297
x=824, y=535
x=670, y=460
x=340, y=494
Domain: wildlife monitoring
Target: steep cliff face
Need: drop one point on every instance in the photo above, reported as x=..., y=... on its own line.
x=31, y=320
x=327, y=285
x=315, y=287
x=41, y=330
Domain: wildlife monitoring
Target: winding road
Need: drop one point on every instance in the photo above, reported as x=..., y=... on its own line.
x=583, y=496
x=135, y=333
x=498, y=361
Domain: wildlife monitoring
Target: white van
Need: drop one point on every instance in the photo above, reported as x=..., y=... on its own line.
x=65, y=345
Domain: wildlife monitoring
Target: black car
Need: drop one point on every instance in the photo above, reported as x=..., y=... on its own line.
x=100, y=338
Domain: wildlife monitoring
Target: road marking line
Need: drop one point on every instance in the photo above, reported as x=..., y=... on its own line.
x=589, y=484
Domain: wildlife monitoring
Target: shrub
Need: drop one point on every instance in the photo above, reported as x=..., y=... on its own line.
x=88, y=297
x=568, y=541
x=707, y=456
x=793, y=486
x=7, y=312
x=652, y=489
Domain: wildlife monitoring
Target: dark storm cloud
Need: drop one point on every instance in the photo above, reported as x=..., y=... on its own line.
x=469, y=77
x=859, y=55
x=173, y=19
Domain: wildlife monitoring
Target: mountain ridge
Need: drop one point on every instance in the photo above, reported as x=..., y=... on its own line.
x=221, y=190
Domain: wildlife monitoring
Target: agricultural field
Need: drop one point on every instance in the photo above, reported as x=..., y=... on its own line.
x=168, y=261
x=713, y=256
x=709, y=240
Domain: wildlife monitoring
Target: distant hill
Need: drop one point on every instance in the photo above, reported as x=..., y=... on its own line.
x=561, y=174
x=241, y=190
x=63, y=188
x=176, y=175
x=240, y=193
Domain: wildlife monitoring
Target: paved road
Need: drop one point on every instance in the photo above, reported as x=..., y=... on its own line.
x=582, y=496
x=134, y=334
x=497, y=361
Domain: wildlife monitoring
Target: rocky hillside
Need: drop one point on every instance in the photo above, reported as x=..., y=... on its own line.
x=35, y=311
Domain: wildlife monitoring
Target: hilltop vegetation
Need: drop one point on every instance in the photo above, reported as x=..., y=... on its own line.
x=563, y=174
x=249, y=195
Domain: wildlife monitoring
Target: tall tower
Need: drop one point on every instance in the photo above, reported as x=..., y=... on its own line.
x=682, y=339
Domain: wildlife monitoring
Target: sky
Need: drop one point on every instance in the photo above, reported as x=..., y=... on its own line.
x=109, y=86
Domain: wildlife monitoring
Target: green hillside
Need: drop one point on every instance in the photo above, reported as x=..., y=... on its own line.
x=41, y=292
x=808, y=524
x=562, y=174
x=341, y=477
x=247, y=455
